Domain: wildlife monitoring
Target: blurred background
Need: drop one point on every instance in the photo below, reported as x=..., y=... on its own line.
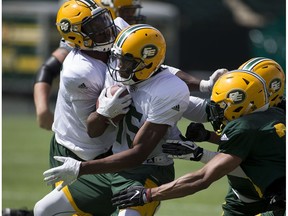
x=201, y=36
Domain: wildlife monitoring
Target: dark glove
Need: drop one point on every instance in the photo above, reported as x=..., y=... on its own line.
x=196, y=132
x=186, y=150
x=132, y=196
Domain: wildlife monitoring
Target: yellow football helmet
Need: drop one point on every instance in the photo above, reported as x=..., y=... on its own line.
x=272, y=73
x=129, y=10
x=85, y=25
x=235, y=94
x=138, y=52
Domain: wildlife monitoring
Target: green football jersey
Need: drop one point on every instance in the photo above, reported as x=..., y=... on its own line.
x=259, y=140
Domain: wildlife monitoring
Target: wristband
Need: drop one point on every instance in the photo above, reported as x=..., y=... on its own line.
x=148, y=196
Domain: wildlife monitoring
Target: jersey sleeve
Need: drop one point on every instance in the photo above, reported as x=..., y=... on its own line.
x=236, y=141
x=171, y=69
x=196, y=110
x=168, y=105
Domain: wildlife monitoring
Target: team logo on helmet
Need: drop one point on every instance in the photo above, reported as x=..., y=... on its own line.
x=275, y=84
x=65, y=25
x=237, y=96
x=149, y=51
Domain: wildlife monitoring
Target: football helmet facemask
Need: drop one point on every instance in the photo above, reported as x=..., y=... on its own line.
x=129, y=10
x=85, y=25
x=235, y=94
x=272, y=73
x=138, y=52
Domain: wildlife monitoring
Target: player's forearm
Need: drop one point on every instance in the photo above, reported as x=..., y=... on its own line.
x=41, y=101
x=41, y=96
x=181, y=187
x=96, y=124
x=191, y=81
x=114, y=163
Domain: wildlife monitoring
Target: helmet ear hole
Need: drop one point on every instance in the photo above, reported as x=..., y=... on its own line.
x=238, y=109
x=72, y=38
x=149, y=66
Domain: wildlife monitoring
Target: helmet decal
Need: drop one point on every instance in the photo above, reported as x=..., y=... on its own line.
x=65, y=26
x=149, y=51
x=275, y=84
x=237, y=95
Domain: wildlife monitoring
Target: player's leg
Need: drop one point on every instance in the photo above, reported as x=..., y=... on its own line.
x=88, y=195
x=54, y=203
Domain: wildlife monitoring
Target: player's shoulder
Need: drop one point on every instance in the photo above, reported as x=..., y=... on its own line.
x=167, y=87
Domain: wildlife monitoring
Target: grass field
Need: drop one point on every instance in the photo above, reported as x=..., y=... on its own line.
x=25, y=156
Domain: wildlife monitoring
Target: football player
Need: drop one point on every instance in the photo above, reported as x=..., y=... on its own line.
x=253, y=138
x=91, y=31
x=52, y=66
x=274, y=77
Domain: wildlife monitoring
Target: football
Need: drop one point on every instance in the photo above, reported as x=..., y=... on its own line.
x=112, y=90
x=109, y=93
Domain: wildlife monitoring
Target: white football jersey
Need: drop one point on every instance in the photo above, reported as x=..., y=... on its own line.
x=161, y=99
x=79, y=89
x=81, y=82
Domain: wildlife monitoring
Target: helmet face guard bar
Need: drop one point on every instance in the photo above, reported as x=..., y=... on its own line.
x=122, y=68
x=216, y=116
x=100, y=27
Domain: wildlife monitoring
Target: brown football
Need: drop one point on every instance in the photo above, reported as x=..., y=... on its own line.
x=110, y=92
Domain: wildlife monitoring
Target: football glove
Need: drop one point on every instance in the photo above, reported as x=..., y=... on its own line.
x=132, y=196
x=111, y=107
x=67, y=172
x=197, y=132
x=186, y=150
x=207, y=85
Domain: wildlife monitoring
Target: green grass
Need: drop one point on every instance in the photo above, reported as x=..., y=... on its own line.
x=25, y=149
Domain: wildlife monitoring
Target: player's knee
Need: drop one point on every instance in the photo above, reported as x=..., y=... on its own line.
x=40, y=209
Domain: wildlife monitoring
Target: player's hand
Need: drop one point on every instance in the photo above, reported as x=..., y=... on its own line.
x=111, y=107
x=67, y=172
x=186, y=150
x=207, y=85
x=132, y=196
x=197, y=132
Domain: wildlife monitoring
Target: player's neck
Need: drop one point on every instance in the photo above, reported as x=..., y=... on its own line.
x=102, y=56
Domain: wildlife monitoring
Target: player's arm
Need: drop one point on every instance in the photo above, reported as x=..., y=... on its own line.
x=106, y=109
x=195, y=84
x=186, y=185
x=219, y=166
x=42, y=87
x=144, y=143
